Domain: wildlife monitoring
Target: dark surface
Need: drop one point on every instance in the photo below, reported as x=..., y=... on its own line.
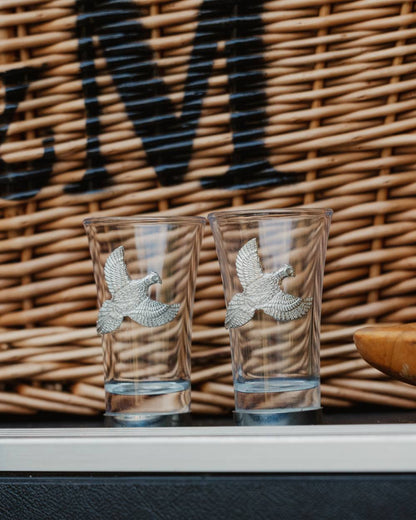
x=199, y=497
x=208, y=496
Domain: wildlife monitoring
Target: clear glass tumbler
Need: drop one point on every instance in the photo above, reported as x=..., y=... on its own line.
x=272, y=266
x=145, y=272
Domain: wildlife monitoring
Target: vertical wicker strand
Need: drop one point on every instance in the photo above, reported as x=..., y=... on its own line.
x=324, y=11
x=237, y=200
x=6, y=58
x=382, y=193
x=156, y=32
x=31, y=206
x=94, y=206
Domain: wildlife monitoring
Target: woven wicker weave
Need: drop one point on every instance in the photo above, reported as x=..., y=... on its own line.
x=324, y=93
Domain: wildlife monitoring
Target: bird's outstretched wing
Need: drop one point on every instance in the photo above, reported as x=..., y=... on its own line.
x=109, y=319
x=286, y=307
x=151, y=313
x=115, y=271
x=238, y=312
x=248, y=263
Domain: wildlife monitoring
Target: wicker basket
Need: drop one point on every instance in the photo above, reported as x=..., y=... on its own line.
x=124, y=107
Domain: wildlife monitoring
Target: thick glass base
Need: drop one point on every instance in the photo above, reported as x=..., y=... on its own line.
x=151, y=420
x=272, y=418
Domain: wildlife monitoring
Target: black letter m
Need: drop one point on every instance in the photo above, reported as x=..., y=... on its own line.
x=168, y=139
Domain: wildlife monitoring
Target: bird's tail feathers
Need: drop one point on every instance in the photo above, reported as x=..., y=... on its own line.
x=301, y=310
x=109, y=319
x=296, y=310
x=306, y=305
x=154, y=314
x=171, y=312
x=238, y=312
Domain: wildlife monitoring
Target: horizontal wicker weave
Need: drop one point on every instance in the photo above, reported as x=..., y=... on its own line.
x=324, y=93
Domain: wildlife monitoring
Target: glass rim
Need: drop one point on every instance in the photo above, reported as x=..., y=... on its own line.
x=145, y=219
x=268, y=213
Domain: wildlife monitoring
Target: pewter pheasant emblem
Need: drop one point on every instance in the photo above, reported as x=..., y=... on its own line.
x=262, y=291
x=129, y=298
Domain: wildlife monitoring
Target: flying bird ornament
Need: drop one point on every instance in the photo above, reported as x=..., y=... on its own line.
x=130, y=298
x=262, y=291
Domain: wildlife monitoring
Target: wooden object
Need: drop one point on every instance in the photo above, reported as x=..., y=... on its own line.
x=390, y=348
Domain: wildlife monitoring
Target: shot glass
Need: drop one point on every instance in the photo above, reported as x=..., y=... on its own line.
x=145, y=272
x=272, y=265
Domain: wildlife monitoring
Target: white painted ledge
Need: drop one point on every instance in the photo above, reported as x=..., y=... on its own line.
x=299, y=449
